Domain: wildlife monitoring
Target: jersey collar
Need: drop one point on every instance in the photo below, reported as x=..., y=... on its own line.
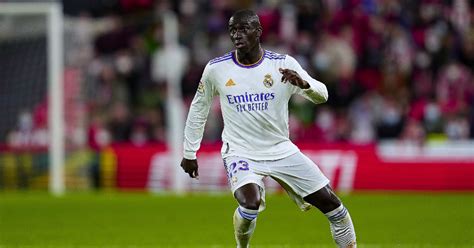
x=236, y=61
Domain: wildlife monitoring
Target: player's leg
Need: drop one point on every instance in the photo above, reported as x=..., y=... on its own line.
x=245, y=216
x=341, y=226
x=246, y=181
x=305, y=183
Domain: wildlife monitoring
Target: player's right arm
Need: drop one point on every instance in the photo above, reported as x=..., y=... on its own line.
x=197, y=116
x=314, y=90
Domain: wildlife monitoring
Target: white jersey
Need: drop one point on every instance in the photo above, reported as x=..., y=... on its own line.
x=254, y=104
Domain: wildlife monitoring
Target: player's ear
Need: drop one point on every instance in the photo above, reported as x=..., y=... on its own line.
x=259, y=31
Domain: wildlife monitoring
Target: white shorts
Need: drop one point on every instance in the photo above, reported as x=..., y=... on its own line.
x=297, y=174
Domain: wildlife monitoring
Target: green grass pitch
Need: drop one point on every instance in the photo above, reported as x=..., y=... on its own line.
x=142, y=220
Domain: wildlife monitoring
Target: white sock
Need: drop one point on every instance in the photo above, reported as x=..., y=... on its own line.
x=245, y=221
x=342, y=229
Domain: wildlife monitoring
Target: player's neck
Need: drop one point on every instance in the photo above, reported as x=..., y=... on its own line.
x=250, y=57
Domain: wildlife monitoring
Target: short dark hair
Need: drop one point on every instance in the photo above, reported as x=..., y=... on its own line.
x=247, y=14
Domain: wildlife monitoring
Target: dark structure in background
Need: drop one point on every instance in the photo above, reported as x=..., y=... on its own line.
x=23, y=79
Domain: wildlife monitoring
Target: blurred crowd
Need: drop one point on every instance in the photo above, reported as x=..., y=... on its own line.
x=394, y=69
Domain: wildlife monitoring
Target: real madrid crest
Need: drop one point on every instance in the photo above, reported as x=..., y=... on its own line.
x=268, y=81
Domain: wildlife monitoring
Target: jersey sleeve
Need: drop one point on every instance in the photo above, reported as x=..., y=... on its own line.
x=197, y=115
x=317, y=92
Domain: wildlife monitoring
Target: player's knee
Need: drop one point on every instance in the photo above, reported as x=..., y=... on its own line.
x=324, y=199
x=331, y=204
x=250, y=203
x=248, y=196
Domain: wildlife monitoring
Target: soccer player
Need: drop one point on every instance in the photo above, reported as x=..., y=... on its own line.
x=254, y=86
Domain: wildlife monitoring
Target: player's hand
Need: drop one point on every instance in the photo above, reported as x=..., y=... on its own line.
x=293, y=78
x=190, y=166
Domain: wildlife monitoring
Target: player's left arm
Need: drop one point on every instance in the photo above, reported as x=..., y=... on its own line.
x=306, y=86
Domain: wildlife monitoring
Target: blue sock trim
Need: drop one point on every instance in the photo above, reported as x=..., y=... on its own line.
x=339, y=215
x=244, y=213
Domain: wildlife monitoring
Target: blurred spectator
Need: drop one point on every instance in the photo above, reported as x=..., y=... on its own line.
x=139, y=133
x=31, y=132
x=390, y=119
x=98, y=136
x=413, y=132
x=455, y=88
x=457, y=127
x=362, y=116
x=120, y=123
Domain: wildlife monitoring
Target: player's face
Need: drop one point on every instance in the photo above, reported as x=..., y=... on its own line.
x=244, y=34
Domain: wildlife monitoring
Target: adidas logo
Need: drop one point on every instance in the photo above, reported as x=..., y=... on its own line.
x=230, y=83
